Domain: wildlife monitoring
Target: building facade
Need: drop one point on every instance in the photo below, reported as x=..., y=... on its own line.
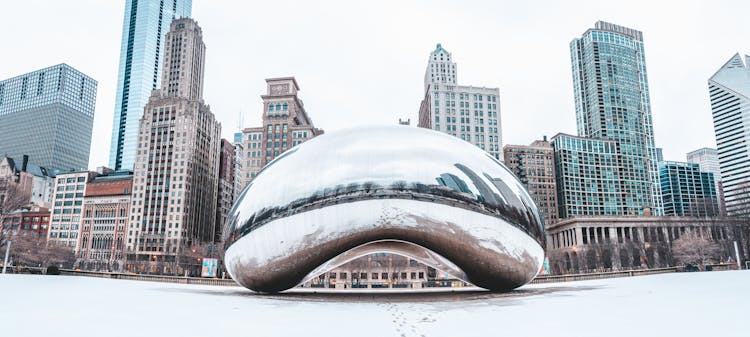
x=688, y=191
x=382, y=271
x=708, y=161
x=177, y=159
x=144, y=27
x=729, y=90
x=286, y=124
x=48, y=115
x=67, y=208
x=594, y=244
x=35, y=183
x=31, y=222
x=588, y=179
x=534, y=165
x=225, y=187
x=106, y=209
x=239, y=161
x=612, y=103
x=468, y=112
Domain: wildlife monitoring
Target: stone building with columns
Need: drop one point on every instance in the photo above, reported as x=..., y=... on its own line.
x=595, y=244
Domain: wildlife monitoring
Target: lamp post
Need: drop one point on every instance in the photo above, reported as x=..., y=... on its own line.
x=7, y=253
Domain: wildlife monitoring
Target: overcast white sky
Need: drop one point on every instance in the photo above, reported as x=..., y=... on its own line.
x=363, y=62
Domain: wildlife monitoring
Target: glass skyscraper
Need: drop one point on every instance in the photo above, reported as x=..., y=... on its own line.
x=729, y=90
x=612, y=103
x=688, y=191
x=588, y=178
x=48, y=115
x=141, y=52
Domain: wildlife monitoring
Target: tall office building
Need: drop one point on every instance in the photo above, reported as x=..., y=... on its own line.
x=612, y=103
x=534, y=165
x=729, y=89
x=48, y=115
x=177, y=157
x=225, y=191
x=588, y=178
x=285, y=124
x=468, y=112
x=687, y=191
x=708, y=161
x=239, y=160
x=144, y=27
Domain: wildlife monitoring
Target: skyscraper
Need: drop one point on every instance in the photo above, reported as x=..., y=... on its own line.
x=144, y=25
x=729, y=89
x=587, y=172
x=285, y=124
x=225, y=192
x=177, y=158
x=48, y=115
x=612, y=103
x=687, y=191
x=708, y=161
x=468, y=112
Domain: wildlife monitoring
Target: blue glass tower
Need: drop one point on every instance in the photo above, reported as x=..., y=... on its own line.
x=143, y=29
x=687, y=191
x=612, y=103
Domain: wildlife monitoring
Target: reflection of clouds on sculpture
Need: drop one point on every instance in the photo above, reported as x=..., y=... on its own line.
x=313, y=198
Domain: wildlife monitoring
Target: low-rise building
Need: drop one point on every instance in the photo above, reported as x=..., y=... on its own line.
x=106, y=208
x=31, y=222
x=590, y=244
x=67, y=207
x=381, y=270
x=35, y=183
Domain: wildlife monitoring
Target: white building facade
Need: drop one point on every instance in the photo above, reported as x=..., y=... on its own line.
x=467, y=112
x=708, y=161
x=67, y=208
x=729, y=90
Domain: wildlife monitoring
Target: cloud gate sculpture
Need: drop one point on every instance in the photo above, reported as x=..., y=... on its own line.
x=404, y=190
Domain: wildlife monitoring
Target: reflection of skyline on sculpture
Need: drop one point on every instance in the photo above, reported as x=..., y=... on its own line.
x=394, y=170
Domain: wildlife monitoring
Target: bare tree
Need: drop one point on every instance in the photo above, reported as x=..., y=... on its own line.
x=693, y=249
x=34, y=251
x=14, y=198
x=11, y=200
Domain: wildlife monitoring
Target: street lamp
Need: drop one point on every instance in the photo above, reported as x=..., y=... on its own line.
x=7, y=253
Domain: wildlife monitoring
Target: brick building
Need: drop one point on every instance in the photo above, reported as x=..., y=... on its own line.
x=106, y=208
x=30, y=222
x=225, y=191
x=285, y=124
x=534, y=165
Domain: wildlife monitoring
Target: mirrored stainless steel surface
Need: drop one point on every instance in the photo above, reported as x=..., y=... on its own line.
x=346, y=189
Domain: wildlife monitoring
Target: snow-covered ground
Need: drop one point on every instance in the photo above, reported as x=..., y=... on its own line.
x=684, y=304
